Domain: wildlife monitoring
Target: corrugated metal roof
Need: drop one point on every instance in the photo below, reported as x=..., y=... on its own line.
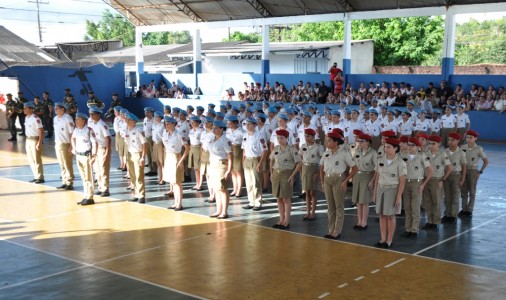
x=16, y=51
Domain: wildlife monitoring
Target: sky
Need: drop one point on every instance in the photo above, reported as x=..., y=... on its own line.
x=65, y=20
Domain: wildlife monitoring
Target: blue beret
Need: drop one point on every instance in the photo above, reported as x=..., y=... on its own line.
x=374, y=100
x=407, y=112
x=272, y=110
x=209, y=120
x=259, y=108
x=95, y=109
x=336, y=112
x=124, y=110
x=276, y=105
x=211, y=111
x=60, y=105
x=236, y=108
x=220, y=124
x=211, y=105
x=82, y=115
x=373, y=111
x=261, y=115
x=250, y=110
x=242, y=105
x=450, y=107
x=289, y=111
x=223, y=106
x=169, y=119
x=252, y=120
x=190, y=107
x=201, y=108
x=149, y=108
x=397, y=110
x=232, y=118
x=355, y=110
x=306, y=113
x=29, y=104
x=118, y=108
x=184, y=112
x=284, y=117
x=384, y=107
x=167, y=107
x=423, y=111
x=347, y=111
x=411, y=102
x=176, y=109
x=220, y=114
x=265, y=103
x=196, y=119
x=131, y=116
x=390, y=111
x=437, y=111
x=158, y=114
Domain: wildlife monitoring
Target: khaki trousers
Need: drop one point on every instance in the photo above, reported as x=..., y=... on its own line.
x=468, y=189
x=65, y=161
x=432, y=201
x=149, y=154
x=34, y=157
x=411, y=204
x=84, y=165
x=451, y=190
x=102, y=169
x=335, y=202
x=136, y=170
x=253, y=184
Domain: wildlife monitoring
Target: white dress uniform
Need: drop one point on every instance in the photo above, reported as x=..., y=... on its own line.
x=253, y=146
x=63, y=128
x=134, y=141
x=173, y=146
x=102, y=163
x=406, y=127
x=218, y=158
x=301, y=139
x=32, y=125
x=84, y=139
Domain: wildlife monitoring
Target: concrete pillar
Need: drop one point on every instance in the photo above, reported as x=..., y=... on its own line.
x=265, y=53
x=139, y=57
x=347, y=50
x=449, y=45
x=197, y=56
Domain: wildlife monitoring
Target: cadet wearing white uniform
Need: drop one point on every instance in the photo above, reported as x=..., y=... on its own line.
x=448, y=124
x=158, y=154
x=102, y=164
x=147, y=126
x=137, y=148
x=34, y=131
x=63, y=127
x=195, y=150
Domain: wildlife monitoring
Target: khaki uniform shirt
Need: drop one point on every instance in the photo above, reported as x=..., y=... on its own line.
x=389, y=174
x=311, y=154
x=416, y=165
x=285, y=159
x=457, y=159
x=336, y=163
x=473, y=155
x=438, y=162
x=365, y=161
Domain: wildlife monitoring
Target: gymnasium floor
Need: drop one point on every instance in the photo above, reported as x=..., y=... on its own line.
x=51, y=248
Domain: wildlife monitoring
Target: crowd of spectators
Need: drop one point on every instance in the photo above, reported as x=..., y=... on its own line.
x=162, y=91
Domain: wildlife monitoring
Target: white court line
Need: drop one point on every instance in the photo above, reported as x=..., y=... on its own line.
x=457, y=235
x=375, y=271
x=42, y=277
x=343, y=285
x=394, y=263
x=359, y=278
x=6, y=221
x=323, y=295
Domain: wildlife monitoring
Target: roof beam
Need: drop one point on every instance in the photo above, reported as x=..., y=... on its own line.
x=260, y=8
x=188, y=11
x=345, y=5
x=129, y=14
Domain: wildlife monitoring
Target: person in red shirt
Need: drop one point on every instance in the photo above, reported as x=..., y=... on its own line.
x=334, y=70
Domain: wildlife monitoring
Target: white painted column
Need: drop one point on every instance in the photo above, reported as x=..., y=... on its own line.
x=139, y=56
x=265, y=53
x=197, y=56
x=448, y=44
x=347, y=49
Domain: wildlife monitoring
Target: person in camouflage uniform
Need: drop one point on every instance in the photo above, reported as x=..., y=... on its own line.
x=71, y=104
x=94, y=101
x=115, y=102
x=11, y=108
x=21, y=116
x=48, y=109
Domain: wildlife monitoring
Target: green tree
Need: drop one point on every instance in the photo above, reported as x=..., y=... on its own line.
x=116, y=27
x=397, y=41
x=238, y=36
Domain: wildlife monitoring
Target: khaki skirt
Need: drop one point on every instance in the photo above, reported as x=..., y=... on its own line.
x=171, y=174
x=158, y=153
x=204, y=162
x=217, y=170
x=308, y=181
x=361, y=194
x=120, y=144
x=237, y=153
x=194, y=157
x=386, y=200
x=281, y=188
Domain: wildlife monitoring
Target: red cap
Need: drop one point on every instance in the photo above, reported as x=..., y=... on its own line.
x=435, y=138
x=473, y=133
x=455, y=136
x=283, y=132
x=404, y=139
x=338, y=131
x=389, y=133
x=333, y=134
x=364, y=136
x=415, y=141
x=422, y=135
x=357, y=132
x=392, y=141
x=310, y=131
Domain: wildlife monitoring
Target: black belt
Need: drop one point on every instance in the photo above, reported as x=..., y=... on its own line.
x=87, y=153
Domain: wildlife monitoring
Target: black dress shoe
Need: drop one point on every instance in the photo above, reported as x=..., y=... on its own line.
x=248, y=207
x=461, y=214
x=105, y=194
x=213, y=216
x=199, y=189
x=331, y=237
x=426, y=226
x=257, y=208
x=444, y=219
x=379, y=244
x=302, y=196
x=22, y=134
x=69, y=187
x=357, y=227
x=124, y=169
x=98, y=192
x=222, y=217
x=62, y=187
x=211, y=201
x=276, y=226
x=363, y=227
x=406, y=234
x=414, y=235
x=79, y=203
x=119, y=169
x=87, y=202
x=134, y=200
x=386, y=245
x=179, y=208
x=171, y=207
x=281, y=226
x=37, y=181
x=264, y=190
x=142, y=200
x=12, y=140
x=33, y=180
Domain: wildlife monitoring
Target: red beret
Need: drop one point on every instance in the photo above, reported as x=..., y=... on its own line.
x=357, y=132
x=333, y=134
x=415, y=141
x=392, y=141
x=455, y=136
x=435, y=138
x=404, y=139
x=364, y=137
x=422, y=135
x=473, y=133
x=338, y=131
x=283, y=132
x=389, y=133
x=310, y=131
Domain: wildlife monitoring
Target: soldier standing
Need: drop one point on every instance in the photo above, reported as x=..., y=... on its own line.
x=21, y=116
x=70, y=103
x=94, y=101
x=11, y=107
x=47, y=108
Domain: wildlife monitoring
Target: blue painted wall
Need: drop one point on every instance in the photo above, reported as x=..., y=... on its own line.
x=102, y=80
